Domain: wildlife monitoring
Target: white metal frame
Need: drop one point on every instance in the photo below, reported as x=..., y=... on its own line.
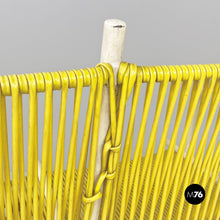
x=112, y=47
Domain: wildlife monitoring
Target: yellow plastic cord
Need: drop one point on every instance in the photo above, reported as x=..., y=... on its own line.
x=91, y=168
x=46, y=140
x=84, y=148
x=72, y=151
x=31, y=144
x=78, y=94
x=186, y=85
x=187, y=163
x=142, y=185
x=2, y=208
x=5, y=154
x=15, y=143
x=61, y=133
x=60, y=142
x=127, y=151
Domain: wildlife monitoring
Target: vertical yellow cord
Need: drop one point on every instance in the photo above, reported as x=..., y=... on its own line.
x=21, y=159
x=136, y=181
x=61, y=133
x=31, y=140
x=73, y=143
x=85, y=145
x=58, y=171
x=127, y=148
x=6, y=159
x=93, y=148
x=211, y=147
x=15, y=142
x=214, y=202
x=46, y=140
x=35, y=163
x=48, y=80
x=61, y=209
x=49, y=172
x=2, y=206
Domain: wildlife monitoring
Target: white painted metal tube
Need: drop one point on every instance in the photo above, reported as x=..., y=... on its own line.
x=113, y=43
x=112, y=47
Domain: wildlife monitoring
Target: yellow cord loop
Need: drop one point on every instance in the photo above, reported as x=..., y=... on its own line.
x=56, y=77
x=105, y=174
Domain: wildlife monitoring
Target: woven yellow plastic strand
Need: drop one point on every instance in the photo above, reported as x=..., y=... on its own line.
x=142, y=186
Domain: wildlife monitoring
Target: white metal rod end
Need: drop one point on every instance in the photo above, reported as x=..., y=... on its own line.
x=113, y=43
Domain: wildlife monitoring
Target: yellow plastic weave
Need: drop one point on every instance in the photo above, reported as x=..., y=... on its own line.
x=139, y=186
